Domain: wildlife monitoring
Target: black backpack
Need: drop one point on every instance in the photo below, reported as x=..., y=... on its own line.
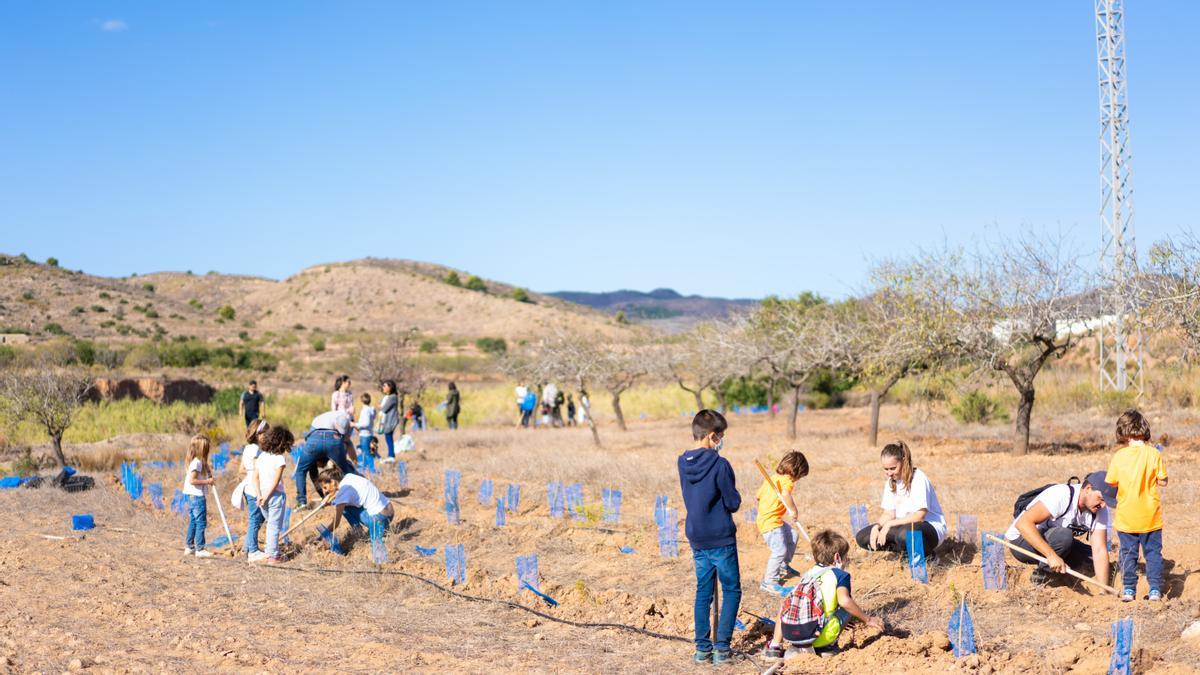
x=1026, y=498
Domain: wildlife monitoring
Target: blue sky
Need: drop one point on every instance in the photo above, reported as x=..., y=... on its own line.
x=736, y=149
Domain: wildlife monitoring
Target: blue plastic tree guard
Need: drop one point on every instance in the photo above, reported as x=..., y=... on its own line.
x=9, y=482
x=554, y=498
x=968, y=528
x=612, y=505
x=156, y=495
x=916, y=556
x=995, y=574
x=485, y=491
x=135, y=489
x=1122, y=636
x=367, y=462
x=456, y=563
x=179, y=502
x=660, y=510
x=222, y=541
x=668, y=534
x=575, y=501
x=626, y=550
x=379, y=554
x=527, y=571
x=450, y=494
x=500, y=517
x=334, y=544
x=514, y=497
x=402, y=474
x=751, y=515
x=858, y=518
x=82, y=521
x=961, y=630
x=425, y=551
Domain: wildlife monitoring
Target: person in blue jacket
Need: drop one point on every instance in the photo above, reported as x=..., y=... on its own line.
x=711, y=498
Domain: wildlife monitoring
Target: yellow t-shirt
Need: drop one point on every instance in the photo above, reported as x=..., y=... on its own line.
x=1136, y=469
x=770, y=509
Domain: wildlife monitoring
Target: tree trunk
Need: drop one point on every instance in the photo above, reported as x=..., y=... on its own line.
x=873, y=431
x=795, y=410
x=616, y=403
x=771, y=398
x=1021, y=428
x=699, y=395
x=720, y=400
x=400, y=409
x=586, y=405
x=56, y=439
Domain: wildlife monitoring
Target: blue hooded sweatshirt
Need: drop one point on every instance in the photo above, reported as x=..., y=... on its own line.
x=710, y=496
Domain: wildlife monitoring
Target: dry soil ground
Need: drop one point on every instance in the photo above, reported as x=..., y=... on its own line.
x=123, y=598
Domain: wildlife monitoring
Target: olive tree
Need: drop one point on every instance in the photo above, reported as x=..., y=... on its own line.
x=48, y=396
x=564, y=357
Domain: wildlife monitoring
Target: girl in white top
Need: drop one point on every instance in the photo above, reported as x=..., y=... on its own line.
x=195, y=486
x=909, y=503
x=250, y=479
x=273, y=447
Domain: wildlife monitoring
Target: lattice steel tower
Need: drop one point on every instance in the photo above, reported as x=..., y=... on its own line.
x=1120, y=331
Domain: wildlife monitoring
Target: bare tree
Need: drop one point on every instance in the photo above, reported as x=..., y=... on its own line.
x=392, y=360
x=619, y=366
x=705, y=358
x=1170, y=293
x=566, y=358
x=48, y=396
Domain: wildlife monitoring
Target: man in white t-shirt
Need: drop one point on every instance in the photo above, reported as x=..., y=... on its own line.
x=356, y=498
x=1052, y=523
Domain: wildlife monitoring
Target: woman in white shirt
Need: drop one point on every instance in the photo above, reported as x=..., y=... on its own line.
x=909, y=504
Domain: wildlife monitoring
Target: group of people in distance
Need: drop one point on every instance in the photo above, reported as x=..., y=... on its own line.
x=549, y=401
x=1065, y=524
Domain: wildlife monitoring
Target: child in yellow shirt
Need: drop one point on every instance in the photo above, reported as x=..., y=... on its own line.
x=1137, y=470
x=771, y=512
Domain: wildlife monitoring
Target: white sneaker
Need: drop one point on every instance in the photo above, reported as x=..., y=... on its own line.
x=203, y=554
x=188, y=550
x=257, y=556
x=388, y=460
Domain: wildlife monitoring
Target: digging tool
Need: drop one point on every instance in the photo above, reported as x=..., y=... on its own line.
x=766, y=476
x=716, y=606
x=1039, y=558
x=221, y=510
x=323, y=504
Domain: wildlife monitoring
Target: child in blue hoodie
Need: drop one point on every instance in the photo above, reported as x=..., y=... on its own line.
x=711, y=498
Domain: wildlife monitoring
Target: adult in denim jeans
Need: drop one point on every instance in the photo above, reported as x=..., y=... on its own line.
x=197, y=521
x=328, y=439
x=711, y=498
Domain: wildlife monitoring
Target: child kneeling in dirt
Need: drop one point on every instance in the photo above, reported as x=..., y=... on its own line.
x=356, y=498
x=817, y=609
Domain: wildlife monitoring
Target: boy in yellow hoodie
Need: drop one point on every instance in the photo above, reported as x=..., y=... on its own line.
x=1138, y=471
x=771, y=520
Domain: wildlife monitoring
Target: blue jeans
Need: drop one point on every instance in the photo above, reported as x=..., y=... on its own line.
x=1151, y=546
x=391, y=443
x=275, y=525
x=721, y=563
x=197, y=521
x=255, y=521
x=356, y=516
x=319, y=443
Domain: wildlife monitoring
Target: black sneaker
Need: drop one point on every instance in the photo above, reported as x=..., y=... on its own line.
x=1039, y=577
x=771, y=653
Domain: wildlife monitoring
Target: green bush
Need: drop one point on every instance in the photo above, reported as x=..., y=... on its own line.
x=54, y=329
x=976, y=408
x=452, y=279
x=489, y=345
x=428, y=346
x=52, y=261
x=828, y=388
x=99, y=309
x=85, y=352
x=226, y=312
x=1116, y=402
x=225, y=401
x=196, y=303
x=151, y=313
x=318, y=344
x=521, y=295
x=104, y=295
x=474, y=283
x=27, y=295
x=7, y=355
x=148, y=287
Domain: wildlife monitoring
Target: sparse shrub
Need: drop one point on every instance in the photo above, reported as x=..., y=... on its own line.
x=318, y=344
x=621, y=318
x=27, y=295
x=53, y=329
x=124, y=329
x=452, y=279
x=226, y=312
x=7, y=355
x=244, y=336
x=225, y=401
x=489, y=345
x=151, y=313
x=474, y=283
x=26, y=464
x=99, y=309
x=1115, y=402
x=196, y=303
x=85, y=352
x=521, y=295
x=148, y=287
x=298, y=326
x=52, y=261
x=104, y=295
x=428, y=346
x=76, y=311
x=976, y=407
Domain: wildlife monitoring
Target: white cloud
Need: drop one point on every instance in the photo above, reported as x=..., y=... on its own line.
x=113, y=25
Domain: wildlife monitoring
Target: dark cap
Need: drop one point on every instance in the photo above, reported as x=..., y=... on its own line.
x=1096, y=480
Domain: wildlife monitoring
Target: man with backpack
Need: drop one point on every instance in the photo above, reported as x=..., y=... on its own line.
x=1051, y=520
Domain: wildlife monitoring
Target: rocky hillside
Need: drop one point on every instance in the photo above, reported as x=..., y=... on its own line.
x=663, y=308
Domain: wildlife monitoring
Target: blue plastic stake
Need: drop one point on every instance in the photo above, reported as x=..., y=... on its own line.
x=156, y=495
x=500, y=518
x=450, y=494
x=751, y=515
x=179, y=502
x=222, y=541
x=961, y=630
x=660, y=510
x=456, y=564
x=83, y=521
x=575, y=501
x=514, y=497
x=858, y=518
x=378, y=548
x=626, y=550
x=334, y=544
x=485, y=491
x=968, y=526
x=668, y=534
x=1122, y=635
x=402, y=473
x=612, y=505
x=425, y=552
x=995, y=575
x=916, y=556
x=527, y=571
x=549, y=600
x=556, y=498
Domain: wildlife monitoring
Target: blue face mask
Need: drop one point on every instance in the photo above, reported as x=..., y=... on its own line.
x=719, y=444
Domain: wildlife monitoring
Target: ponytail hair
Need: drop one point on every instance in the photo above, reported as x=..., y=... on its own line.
x=255, y=428
x=898, y=450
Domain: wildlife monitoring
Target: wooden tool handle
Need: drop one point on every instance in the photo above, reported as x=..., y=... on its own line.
x=1031, y=554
